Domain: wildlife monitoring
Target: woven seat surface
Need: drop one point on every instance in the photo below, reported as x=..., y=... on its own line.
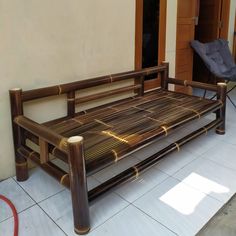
x=113, y=131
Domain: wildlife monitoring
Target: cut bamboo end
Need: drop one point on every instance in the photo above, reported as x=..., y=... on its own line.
x=82, y=231
x=15, y=89
x=75, y=139
x=222, y=84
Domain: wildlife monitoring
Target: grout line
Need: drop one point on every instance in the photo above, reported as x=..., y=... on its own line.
x=50, y=196
x=36, y=204
x=32, y=197
x=93, y=229
x=168, y=176
x=153, y=218
x=18, y=212
x=52, y=219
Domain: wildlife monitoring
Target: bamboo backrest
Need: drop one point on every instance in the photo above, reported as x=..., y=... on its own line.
x=71, y=89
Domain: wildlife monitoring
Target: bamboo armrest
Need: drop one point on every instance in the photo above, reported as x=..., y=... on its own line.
x=42, y=132
x=193, y=84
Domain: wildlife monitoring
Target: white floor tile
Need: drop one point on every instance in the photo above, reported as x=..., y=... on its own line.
x=32, y=222
x=137, y=187
x=223, y=155
x=151, y=149
x=59, y=207
x=177, y=134
x=210, y=178
x=41, y=185
x=202, y=143
x=129, y=222
x=116, y=168
x=10, y=189
x=231, y=137
x=175, y=161
x=179, y=207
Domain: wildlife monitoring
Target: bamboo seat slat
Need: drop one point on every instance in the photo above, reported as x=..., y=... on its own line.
x=109, y=133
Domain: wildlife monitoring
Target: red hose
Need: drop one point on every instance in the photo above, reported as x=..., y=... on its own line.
x=15, y=215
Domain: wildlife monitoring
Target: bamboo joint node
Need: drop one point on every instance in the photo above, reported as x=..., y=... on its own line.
x=220, y=131
x=70, y=99
x=53, y=151
x=111, y=79
x=32, y=153
x=177, y=146
x=165, y=129
x=63, y=143
x=115, y=154
x=21, y=164
x=136, y=172
x=63, y=178
x=59, y=89
x=206, y=130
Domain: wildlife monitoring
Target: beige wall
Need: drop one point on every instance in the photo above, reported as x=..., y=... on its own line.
x=46, y=42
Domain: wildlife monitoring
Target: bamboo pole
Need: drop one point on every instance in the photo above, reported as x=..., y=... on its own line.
x=221, y=96
x=17, y=110
x=165, y=76
x=193, y=84
x=42, y=132
x=78, y=185
x=106, y=94
x=88, y=83
x=48, y=167
x=71, y=103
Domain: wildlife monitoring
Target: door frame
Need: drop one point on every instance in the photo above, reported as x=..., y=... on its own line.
x=150, y=84
x=225, y=12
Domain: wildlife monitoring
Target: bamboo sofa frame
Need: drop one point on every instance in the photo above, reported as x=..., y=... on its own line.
x=157, y=113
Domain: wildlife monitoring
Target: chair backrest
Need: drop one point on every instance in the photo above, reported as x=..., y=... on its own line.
x=217, y=57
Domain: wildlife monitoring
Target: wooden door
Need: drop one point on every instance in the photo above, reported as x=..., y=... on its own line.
x=208, y=28
x=150, y=84
x=213, y=24
x=186, y=19
x=234, y=42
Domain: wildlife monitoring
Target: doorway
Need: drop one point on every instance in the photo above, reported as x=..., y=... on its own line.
x=204, y=20
x=212, y=24
x=150, y=34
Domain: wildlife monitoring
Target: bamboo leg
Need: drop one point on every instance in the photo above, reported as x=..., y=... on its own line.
x=165, y=76
x=221, y=95
x=78, y=185
x=16, y=110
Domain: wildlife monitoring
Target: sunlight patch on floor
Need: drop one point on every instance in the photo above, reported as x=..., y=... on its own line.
x=184, y=201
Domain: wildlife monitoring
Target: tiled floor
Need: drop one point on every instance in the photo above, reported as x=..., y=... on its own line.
x=176, y=197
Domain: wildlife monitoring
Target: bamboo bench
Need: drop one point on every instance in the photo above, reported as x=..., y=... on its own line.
x=92, y=139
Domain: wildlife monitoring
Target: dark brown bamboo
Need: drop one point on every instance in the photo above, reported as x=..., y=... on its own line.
x=139, y=81
x=88, y=83
x=193, y=84
x=17, y=110
x=130, y=173
x=44, y=154
x=220, y=114
x=42, y=132
x=106, y=94
x=48, y=167
x=165, y=76
x=71, y=103
x=52, y=149
x=78, y=185
x=134, y=172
